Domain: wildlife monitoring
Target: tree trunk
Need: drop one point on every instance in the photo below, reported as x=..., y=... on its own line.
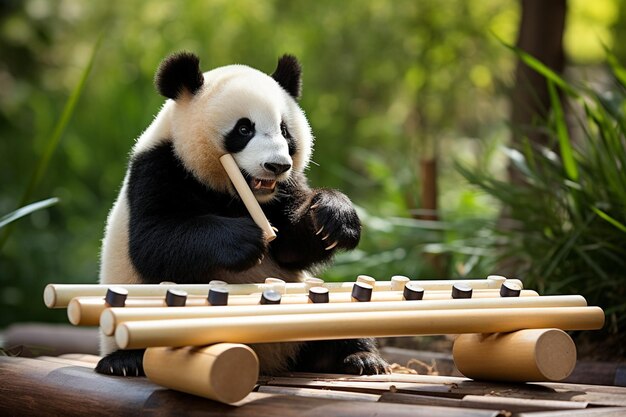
x=540, y=35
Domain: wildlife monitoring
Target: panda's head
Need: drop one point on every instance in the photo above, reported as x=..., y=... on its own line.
x=238, y=110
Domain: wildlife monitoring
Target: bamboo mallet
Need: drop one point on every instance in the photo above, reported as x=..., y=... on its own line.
x=224, y=372
x=247, y=197
x=522, y=356
x=299, y=327
x=112, y=317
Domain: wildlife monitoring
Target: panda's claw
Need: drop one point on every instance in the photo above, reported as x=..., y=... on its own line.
x=314, y=206
x=319, y=231
x=332, y=245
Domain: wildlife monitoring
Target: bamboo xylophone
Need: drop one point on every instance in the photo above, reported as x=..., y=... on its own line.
x=509, y=318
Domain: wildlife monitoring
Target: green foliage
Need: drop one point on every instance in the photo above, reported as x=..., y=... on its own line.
x=565, y=226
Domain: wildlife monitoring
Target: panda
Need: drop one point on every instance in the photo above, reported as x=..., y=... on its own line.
x=178, y=217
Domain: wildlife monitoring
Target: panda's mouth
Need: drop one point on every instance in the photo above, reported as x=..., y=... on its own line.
x=262, y=186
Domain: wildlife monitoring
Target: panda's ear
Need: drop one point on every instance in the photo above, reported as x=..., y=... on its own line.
x=179, y=73
x=288, y=74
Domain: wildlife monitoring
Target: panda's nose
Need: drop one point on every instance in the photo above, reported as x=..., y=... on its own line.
x=276, y=168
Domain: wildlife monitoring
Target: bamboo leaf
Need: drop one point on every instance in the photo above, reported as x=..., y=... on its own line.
x=565, y=144
x=609, y=219
x=540, y=67
x=24, y=211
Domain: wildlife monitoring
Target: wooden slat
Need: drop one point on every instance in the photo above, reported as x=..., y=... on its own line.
x=59, y=359
x=590, y=412
x=317, y=393
x=510, y=405
x=452, y=387
x=37, y=387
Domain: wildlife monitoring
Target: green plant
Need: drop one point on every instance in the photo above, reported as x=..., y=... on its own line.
x=564, y=228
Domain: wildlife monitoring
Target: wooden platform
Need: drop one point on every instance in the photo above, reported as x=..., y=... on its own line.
x=68, y=386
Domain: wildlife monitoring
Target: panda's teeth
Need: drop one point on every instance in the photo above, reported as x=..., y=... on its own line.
x=257, y=184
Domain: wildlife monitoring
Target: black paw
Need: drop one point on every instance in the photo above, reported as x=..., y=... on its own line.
x=122, y=363
x=335, y=220
x=244, y=248
x=365, y=363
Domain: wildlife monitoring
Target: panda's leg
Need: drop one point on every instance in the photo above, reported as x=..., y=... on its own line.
x=119, y=362
x=354, y=356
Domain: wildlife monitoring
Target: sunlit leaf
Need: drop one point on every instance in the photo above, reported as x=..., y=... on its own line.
x=26, y=210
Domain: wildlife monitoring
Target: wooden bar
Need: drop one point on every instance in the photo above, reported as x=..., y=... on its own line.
x=225, y=372
x=284, y=328
x=111, y=317
x=48, y=388
x=59, y=295
x=521, y=356
x=86, y=311
x=248, y=198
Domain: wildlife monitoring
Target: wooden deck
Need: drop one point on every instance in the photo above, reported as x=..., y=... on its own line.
x=67, y=386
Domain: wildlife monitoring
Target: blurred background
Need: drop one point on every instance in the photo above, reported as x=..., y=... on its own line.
x=462, y=159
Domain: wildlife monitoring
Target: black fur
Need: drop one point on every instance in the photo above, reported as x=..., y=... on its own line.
x=291, y=141
x=122, y=362
x=236, y=140
x=354, y=356
x=178, y=73
x=288, y=74
x=179, y=229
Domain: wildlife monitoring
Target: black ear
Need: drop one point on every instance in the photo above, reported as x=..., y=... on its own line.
x=178, y=73
x=287, y=74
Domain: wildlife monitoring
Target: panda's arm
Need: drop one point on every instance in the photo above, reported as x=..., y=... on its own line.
x=175, y=230
x=312, y=224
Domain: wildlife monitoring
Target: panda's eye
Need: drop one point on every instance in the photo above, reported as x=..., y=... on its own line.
x=284, y=131
x=244, y=127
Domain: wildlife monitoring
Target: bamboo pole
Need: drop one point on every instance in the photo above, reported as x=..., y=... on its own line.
x=224, y=372
x=59, y=295
x=111, y=317
x=287, y=328
x=521, y=356
x=244, y=191
x=86, y=311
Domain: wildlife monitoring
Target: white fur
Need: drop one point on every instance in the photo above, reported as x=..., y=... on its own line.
x=196, y=124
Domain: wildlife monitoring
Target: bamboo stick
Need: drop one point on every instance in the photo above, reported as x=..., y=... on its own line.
x=521, y=356
x=111, y=317
x=86, y=311
x=59, y=295
x=287, y=328
x=244, y=191
x=224, y=372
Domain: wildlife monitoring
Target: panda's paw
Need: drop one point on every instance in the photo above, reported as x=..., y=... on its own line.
x=122, y=363
x=365, y=363
x=245, y=248
x=335, y=221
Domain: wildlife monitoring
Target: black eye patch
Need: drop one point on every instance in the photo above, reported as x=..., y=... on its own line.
x=239, y=136
x=291, y=142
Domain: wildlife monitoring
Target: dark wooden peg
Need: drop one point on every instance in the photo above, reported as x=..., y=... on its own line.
x=116, y=296
x=318, y=295
x=461, y=291
x=270, y=297
x=175, y=298
x=218, y=296
x=509, y=289
x=362, y=291
x=413, y=292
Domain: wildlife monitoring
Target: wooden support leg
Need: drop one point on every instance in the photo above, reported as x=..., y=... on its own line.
x=224, y=372
x=521, y=356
